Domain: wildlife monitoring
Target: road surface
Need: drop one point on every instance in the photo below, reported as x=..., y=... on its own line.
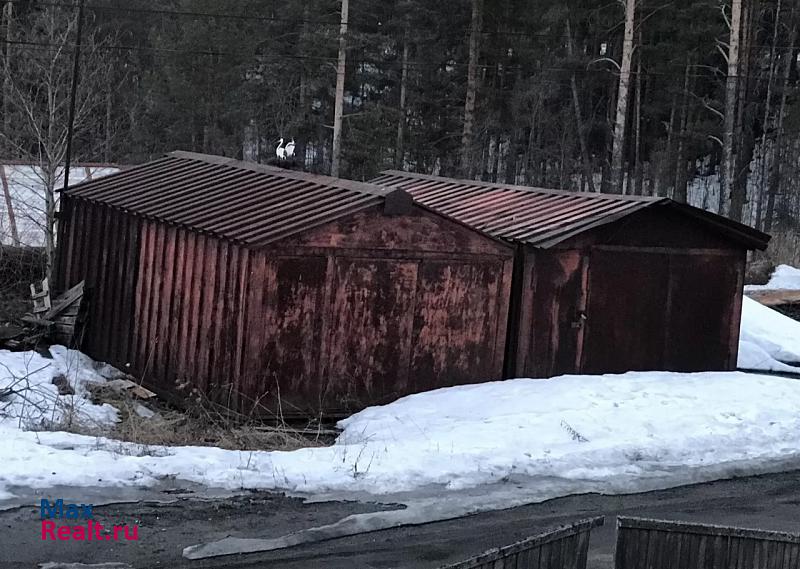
x=768, y=502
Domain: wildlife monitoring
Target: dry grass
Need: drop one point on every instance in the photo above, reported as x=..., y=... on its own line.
x=206, y=423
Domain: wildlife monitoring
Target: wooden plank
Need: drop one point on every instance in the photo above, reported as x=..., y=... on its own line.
x=774, y=297
x=65, y=301
x=706, y=529
x=547, y=550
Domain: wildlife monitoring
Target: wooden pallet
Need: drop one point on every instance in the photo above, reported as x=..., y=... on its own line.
x=64, y=321
x=775, y=297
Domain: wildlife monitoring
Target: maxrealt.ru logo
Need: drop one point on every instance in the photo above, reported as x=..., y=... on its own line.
x=77, y=524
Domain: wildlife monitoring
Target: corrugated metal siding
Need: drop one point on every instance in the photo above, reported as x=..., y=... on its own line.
x=241, y=202
x=542, y=217
x=189, y=312
x=357, y=312
x=101, y=246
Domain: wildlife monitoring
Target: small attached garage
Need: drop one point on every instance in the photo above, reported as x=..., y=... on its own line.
x=606, y=283
x=262, y=287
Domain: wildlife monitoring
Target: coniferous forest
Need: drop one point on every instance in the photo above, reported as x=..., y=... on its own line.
x=695, y=100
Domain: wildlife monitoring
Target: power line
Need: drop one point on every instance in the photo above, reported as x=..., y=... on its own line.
x=181, y=13
x=361, y=61
x=256, y=18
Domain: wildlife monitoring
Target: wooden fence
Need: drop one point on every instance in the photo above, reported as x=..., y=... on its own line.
x=657, y=544
x=564, y=548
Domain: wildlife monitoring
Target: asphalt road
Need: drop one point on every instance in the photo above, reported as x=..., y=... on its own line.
x=767, y=502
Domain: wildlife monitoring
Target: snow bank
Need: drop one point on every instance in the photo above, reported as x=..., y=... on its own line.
x=580, y=432
x=767, y=338
x=783, y=278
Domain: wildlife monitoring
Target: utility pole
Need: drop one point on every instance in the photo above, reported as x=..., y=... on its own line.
x=76, y=62
x=728, y=168
x=338, y=110
x=620, y=122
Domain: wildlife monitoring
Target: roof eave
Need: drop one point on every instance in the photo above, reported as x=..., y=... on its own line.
x=750, y=238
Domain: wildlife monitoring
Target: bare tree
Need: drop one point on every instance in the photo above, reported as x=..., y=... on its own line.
x=728, y=167
x=8, y=33
x=38, y=96
x=778, y=144
x=402, y=119
x=621, y=120
x=580, y=128
x=472, y=88
x=767, y=109
x=338, y=111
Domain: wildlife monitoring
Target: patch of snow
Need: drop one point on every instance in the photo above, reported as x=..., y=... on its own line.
x=32, y=401
x=784, y=277
x=767, y=332
x=754, y=357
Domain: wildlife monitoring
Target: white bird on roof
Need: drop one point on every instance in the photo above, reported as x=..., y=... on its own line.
x=289, y=150
x=280, y=151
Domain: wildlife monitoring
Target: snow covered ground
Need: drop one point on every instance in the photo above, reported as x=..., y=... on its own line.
x=768, y=340
x=612, y=433
x=783, y=278
x=595, y=430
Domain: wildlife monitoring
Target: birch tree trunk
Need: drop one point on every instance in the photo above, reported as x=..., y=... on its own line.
x=620, y=123
x=472, y=89
x=338, y=108
x=728, y=167
x=12, y=219
x=744, y=131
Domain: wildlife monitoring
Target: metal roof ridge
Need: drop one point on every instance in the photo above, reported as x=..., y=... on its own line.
x=322, y=179
x=518, y=188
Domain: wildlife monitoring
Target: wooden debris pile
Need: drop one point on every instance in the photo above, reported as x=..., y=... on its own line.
x=60, y=320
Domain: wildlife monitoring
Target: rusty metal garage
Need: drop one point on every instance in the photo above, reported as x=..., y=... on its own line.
x=267, y=288
x=606, y=283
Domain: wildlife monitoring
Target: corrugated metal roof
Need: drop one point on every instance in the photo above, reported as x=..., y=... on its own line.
x=540, y=217
x=240, y=201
